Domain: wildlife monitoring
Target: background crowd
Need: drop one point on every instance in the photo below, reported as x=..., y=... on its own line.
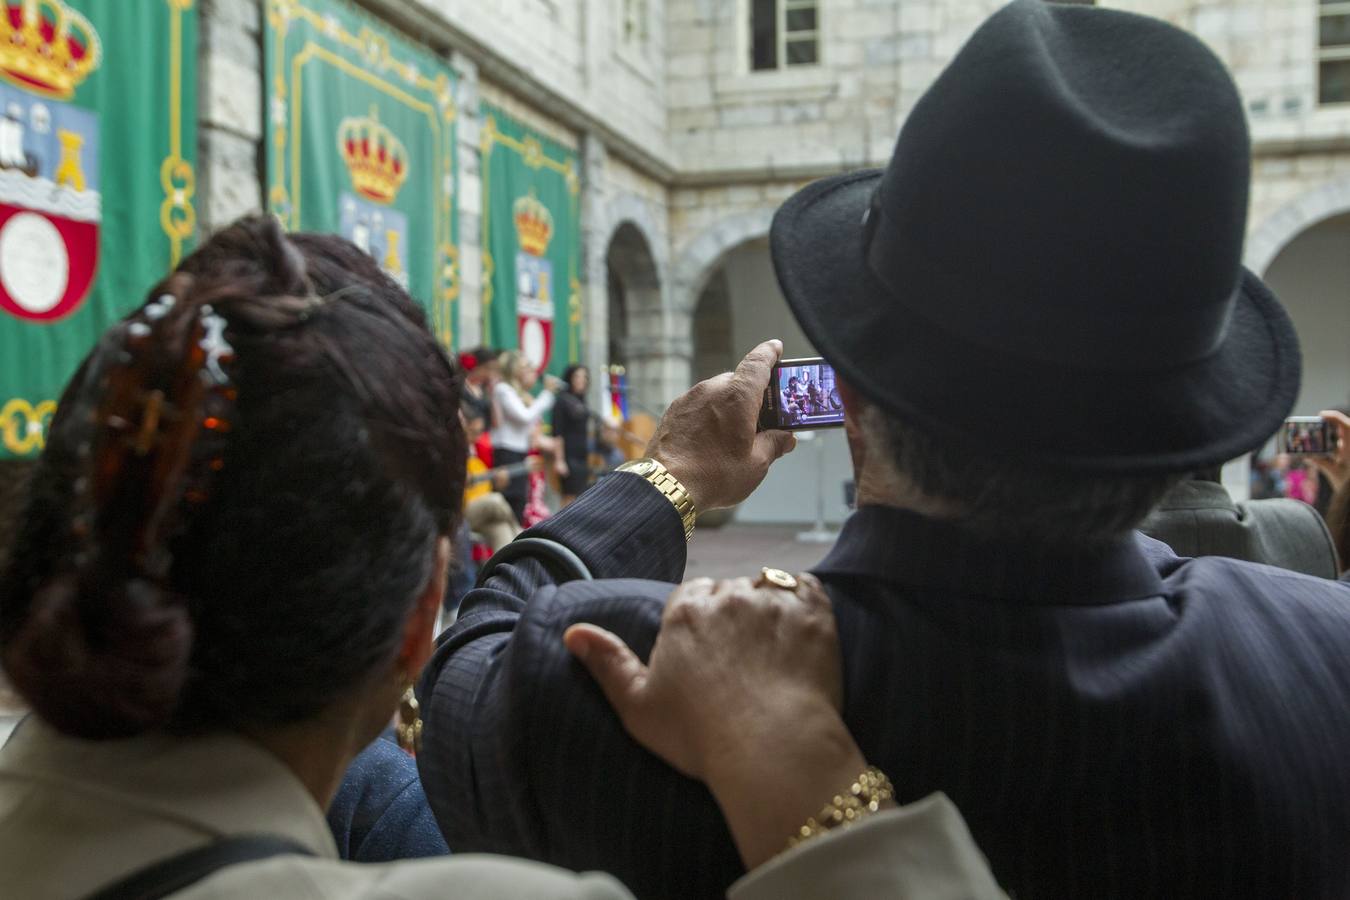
x=534, y=447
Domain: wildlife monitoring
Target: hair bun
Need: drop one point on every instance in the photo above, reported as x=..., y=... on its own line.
x=101, y=660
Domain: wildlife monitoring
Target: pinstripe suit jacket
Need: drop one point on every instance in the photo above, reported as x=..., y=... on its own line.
x=1122, y=723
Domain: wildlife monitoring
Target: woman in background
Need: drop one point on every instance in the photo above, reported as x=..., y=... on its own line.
x=519, y=414
x=571, y=430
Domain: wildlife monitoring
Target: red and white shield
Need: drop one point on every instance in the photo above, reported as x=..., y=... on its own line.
x=47, y=262
x=50, y=206
x=534, y=309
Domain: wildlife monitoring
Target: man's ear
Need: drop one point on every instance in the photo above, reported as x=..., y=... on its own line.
x=420, y=630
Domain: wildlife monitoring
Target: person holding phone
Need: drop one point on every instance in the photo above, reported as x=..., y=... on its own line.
x=1336, y=467
x=1039, y=323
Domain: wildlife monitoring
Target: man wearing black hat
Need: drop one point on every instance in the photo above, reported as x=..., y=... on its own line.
x=1040, y=322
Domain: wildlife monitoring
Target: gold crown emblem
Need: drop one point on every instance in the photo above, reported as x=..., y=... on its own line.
x=47, y=47
x=376, y=158
x=534, y=225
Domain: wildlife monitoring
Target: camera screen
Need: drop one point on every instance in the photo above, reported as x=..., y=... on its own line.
x=808, y=396
x=1305, y=437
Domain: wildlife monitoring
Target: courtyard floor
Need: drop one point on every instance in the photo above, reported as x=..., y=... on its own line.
x=743, y=549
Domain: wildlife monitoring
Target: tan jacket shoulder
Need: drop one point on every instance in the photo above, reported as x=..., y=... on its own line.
x=467, y=877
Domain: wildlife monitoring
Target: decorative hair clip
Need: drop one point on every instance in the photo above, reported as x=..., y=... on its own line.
x=166, y=402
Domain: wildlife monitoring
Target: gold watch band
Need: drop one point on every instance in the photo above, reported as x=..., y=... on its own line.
x=660, y=478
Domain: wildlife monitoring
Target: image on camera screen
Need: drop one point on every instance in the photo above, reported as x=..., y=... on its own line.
x=1305, y=437
x=808, y=396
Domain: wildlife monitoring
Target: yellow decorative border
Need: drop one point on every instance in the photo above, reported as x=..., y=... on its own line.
x=374, y=49
x=531, y=152
x=23, y=425
x=177, y=215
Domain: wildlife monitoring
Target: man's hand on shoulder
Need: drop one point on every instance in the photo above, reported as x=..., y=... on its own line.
x=708, y=439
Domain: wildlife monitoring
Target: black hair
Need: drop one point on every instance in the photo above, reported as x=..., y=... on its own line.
x=292, y=583
x=571, y=370
x=472, y=411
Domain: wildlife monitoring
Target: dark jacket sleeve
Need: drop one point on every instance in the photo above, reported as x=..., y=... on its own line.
x=521, y=753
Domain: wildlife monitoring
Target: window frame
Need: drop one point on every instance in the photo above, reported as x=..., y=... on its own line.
x=784, y=7
x=1331, y=52
x=782, y=37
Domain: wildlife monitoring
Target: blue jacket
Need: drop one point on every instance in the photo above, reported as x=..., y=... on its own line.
x=1118, y=723
x=380, y=813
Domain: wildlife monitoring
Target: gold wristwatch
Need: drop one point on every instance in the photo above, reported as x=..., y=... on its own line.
x=668, y=485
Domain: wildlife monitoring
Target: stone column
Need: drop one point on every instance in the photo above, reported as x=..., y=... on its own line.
x=231, y=115
x=470, y=203
x=660, y=355
x=595, y=234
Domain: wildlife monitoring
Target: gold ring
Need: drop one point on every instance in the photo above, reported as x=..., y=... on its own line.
x=776, y=578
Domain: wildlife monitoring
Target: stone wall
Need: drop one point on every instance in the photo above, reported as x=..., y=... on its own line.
x=730, y=123
x=573, y=52
x=231, y=126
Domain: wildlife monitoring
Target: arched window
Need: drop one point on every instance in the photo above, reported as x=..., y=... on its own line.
x=784, y=33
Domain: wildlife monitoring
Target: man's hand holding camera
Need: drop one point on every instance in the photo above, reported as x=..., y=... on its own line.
x=708, y=439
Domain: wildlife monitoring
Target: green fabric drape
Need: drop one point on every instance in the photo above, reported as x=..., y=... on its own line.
x=531, y=243
x=97, y=186
x=362, y=141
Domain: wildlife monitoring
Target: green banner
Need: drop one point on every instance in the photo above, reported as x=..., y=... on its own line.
x=531, y=244
x=361, y=140
x=98, y=147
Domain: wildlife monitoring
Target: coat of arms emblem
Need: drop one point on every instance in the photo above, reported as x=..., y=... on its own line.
x=534, y=281
x=50, y=203
x=378, y=164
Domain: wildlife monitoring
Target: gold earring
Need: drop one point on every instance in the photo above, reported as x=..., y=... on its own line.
x=409, y=728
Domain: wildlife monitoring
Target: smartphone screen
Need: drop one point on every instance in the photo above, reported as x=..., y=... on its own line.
x=1306, y=435
x=802, y=394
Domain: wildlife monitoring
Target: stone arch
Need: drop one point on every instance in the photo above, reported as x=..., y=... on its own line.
x=636, y=213
x=635, y=324
x=1281, y=227
x=699, y=260
x=634, y=283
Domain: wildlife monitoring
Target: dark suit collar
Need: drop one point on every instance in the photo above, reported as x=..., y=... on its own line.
x=906, y=549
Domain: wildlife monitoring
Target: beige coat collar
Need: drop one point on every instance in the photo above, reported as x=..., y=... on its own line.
x=216, y=785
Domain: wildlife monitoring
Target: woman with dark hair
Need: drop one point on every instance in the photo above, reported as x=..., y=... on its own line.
x=572, y=429
x=226, y=581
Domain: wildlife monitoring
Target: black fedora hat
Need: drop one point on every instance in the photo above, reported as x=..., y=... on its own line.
x=1050, y=266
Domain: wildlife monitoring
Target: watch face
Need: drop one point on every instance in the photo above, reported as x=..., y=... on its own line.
x=645, y=467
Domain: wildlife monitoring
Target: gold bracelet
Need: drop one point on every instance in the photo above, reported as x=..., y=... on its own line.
x=864, y=797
